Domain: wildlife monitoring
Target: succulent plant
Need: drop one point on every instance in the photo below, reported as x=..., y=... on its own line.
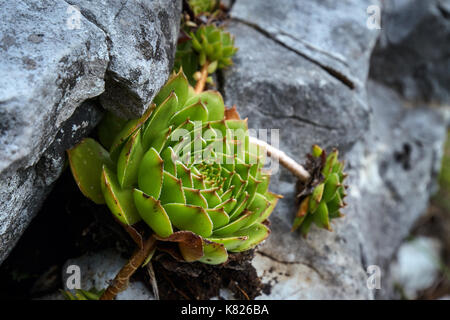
x=322, y=196
x=181, y=167
x=203, y=6
x=214, y=46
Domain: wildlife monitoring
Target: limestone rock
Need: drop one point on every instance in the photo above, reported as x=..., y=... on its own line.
x=332, y=34
x=141, y=38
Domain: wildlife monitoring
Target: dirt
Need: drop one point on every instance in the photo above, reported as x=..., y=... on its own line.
x=198, y=281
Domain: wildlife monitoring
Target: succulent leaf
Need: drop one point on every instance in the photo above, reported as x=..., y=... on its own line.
x=118, y=200
x=127, y=130
x=153, y=213
x=213, y=253
x=86, y=162
x=80, y=294
x=129, y=160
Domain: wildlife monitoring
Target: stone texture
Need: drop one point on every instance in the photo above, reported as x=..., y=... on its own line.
x=413, y=52
x=396, y=170
x=277, y=88
x=47, y=71
x=23, y=191
x=141, y=38
x=53, y=58
x=280, y=89
x=393, y=173
x=392, y=152
x=97, y=269
x=332, y=34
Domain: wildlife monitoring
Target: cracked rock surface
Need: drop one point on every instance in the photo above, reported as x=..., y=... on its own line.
x=307, y=77
x=52, y=59
x=330, y=33
x=141, y=38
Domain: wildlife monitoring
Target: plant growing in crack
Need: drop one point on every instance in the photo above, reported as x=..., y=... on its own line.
x=186, y=178
x=187, y=171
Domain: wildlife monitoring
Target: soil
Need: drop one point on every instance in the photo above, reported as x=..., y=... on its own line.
x=198, y=281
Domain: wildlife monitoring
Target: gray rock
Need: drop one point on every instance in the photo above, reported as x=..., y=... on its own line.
x=52, y=58
x=393, y=173
x=413, y=53
x=47, y=71
x=392, y=155
x=277, y=88
x=23, y=191
x=141, y=39
x=417, y=265
x=332, y=34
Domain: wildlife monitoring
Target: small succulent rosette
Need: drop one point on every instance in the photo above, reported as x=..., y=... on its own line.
x=213, y=45
x=181, y=168
x=205, y=7
x=322, y=197
x=209, y=45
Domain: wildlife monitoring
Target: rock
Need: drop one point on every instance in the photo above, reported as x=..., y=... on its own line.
x=277, y=88
x=23, y=191
x=97, y=269
x=393, y=173
x=331, y=34
x=413, y=53
x=417, y=265
x=141, y=61
x=43, y=79
x=393, y=156
x=53, y=58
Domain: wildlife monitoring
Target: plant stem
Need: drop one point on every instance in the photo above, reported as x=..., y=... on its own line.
x=120, y=282
x=200, y=85
x=286, y=161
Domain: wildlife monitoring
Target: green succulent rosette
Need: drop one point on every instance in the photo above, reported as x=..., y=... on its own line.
x=213, y=45
x=322, y=197
x=181, y=167
x=203, y=6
